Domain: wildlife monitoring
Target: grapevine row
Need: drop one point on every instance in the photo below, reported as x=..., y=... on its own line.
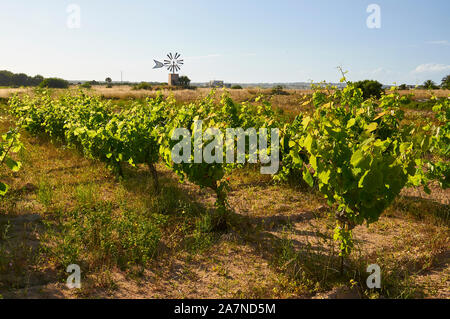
x=359, y=153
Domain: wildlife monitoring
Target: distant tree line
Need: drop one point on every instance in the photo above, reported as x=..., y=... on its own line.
x=19, y=79
x=431, y=85
x=8, y=78
x=371, y=88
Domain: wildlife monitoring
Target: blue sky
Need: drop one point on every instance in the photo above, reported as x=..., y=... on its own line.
x=235, y=41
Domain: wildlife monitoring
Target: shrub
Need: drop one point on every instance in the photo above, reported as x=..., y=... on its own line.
x=236, y=87
x=55, y=83
x=278, y=90
x=142, y=86
x=370, y=88
x=86, y=85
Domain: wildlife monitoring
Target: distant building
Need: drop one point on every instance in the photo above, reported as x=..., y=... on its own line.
x=218, y=84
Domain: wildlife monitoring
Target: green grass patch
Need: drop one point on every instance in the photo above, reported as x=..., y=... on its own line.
x=101, y=238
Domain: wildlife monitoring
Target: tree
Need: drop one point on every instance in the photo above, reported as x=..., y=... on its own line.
x=446, y=82
x=10, y=79
x=6, y=78
x=403, y=87
x=37, y=80
x=109, y=81
x=20, y=79
x=184, y=81
x=430, y=85
x=55, y=83
x=370, y=88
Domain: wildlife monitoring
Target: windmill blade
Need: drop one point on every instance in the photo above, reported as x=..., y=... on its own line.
x=158, y=65
x=172, y=63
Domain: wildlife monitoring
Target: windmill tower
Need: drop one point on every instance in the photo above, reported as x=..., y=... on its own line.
x=173, y=64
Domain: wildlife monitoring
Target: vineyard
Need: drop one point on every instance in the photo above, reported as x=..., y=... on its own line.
x=346, y=166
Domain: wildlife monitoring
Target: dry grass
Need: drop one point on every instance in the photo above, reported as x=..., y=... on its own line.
x=425, y=94
x=7, y=92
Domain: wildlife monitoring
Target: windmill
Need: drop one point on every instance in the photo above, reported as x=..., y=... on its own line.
x=173, y=64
